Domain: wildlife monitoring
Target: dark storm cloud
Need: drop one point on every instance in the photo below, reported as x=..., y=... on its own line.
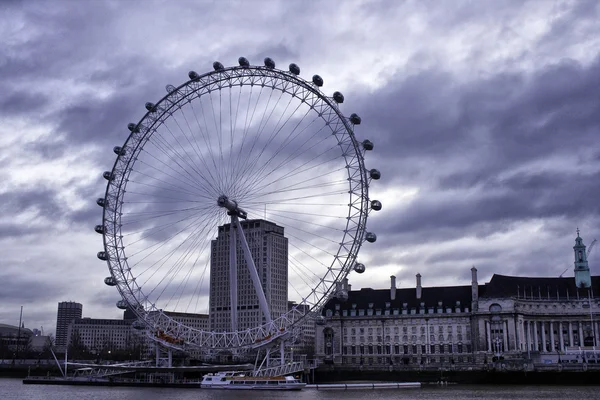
x=553, y=115
x=486, y=152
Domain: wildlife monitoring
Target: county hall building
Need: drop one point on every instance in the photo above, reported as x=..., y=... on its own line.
x=509, y=320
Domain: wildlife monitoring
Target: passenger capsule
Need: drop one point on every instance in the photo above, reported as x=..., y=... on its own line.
x=118, y=150
x=131, y=126
x=138, y=325
x=102, y=255
x=218, y=66
x=101, y=202
x=371, y=237
x=150, y=107
x=243, y=61
x=375, y=174
x=342, y=295
x=122, y=304
x=317, y=80
x=108, y=175
x=376, y=205
x=193, y=75
x=269, y=63
x=170, y=88
x=338, y=97
x=355, y=119
x=99, y=229
x=367, y=145
x=110, y=281
x=294, y=69
x=359, y=268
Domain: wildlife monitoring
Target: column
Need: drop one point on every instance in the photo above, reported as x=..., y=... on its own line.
x=570, y=333
x=536, y=344
x=561, y=341
x=543, y=329
x=488, y=332
x=551, y=325
x=505, y=336
x=580, y=334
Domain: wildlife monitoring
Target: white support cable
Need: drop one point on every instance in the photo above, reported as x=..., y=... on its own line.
x=262, y=300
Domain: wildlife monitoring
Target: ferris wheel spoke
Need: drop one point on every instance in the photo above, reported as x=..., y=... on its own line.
x=176, y=176
x=152, y=231
x=259, y=130
x=157, y=246
x=156, y=215
x=158, y=265
x=168, y=152
x=196, y=148
x=267, y=169
x=246, y=129
x=299, y=170
x=178, y=264
x=181, y=159
x=204, y=133
x=251, y=167
x=164, y=181
x=306, y=184
x=303, y=273
x=180, y=290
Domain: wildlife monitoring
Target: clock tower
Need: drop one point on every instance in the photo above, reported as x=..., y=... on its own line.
x=582, y=271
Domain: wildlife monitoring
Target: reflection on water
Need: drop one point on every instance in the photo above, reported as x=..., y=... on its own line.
x=13, y=389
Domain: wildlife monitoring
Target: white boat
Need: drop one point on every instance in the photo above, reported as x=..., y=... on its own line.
x=238, y=380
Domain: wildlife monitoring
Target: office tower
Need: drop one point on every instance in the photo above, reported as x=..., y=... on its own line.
x=67, y=312
x=269, y=248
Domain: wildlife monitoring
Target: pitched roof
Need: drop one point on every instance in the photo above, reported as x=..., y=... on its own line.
x=430, y=296
x=532, y=287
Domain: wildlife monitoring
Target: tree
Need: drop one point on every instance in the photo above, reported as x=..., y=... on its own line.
x=77, y=349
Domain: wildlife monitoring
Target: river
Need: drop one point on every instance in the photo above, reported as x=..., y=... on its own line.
x=13, y=389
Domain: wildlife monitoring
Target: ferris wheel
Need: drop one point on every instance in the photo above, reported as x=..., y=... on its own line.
x=242, y=194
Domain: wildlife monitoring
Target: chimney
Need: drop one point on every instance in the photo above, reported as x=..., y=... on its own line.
x=393, y=288
x=345, y=284
x=475, y=290
x=419, y=288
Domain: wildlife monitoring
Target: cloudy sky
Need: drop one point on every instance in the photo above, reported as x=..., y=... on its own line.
x=485, y=117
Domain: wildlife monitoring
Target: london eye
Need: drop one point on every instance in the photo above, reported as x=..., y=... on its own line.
x=210, y=170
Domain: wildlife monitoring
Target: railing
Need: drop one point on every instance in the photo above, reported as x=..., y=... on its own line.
x=280, y=370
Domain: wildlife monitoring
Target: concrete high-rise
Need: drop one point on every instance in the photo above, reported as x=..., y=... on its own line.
x=67, y=312
x=269, y=249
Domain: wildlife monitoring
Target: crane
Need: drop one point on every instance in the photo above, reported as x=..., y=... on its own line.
x=587, y=253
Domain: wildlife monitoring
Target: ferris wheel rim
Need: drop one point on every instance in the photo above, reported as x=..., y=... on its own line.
x=127, y=286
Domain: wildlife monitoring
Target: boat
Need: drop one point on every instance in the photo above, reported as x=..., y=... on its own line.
x=239, y=380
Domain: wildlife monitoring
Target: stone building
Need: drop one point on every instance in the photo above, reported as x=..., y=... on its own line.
x=523, y=319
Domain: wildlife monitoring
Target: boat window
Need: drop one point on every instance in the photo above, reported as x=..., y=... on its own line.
x=208, y=379
x=272, y=382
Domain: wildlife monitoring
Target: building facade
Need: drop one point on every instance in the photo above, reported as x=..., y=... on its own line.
x=101, y=335
x=269, y=249
x=67, y=312
x=509, y=319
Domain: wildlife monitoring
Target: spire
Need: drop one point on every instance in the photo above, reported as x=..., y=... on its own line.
x=582, y=270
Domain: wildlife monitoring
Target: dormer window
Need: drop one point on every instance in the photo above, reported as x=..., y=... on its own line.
x=370, y=305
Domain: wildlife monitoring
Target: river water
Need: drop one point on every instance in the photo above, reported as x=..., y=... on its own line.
x=13, y=389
